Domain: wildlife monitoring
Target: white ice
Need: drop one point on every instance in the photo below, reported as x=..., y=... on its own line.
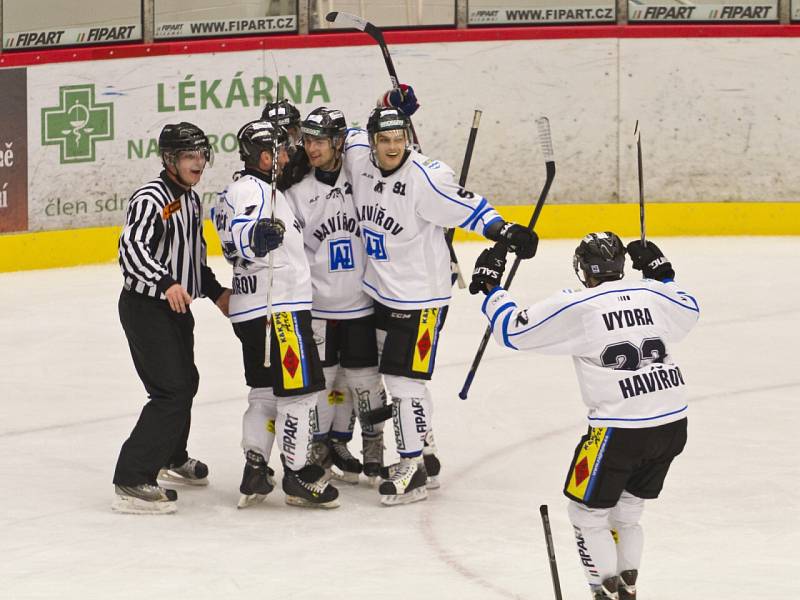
x=727, y=524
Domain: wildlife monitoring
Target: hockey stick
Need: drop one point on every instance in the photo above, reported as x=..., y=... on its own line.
x=343, y=19
x=462, y=181
x=271, y=258
x=546, y=142
x=272, y=206
x=638, y=135
x=551, y=552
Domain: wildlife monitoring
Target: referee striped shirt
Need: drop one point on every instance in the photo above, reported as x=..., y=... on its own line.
x=162, y=242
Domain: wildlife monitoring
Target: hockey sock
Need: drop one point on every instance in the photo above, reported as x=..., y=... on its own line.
x=367, y=393
x=293, y=429
x=625, y=517
x=595, y=544
x=408, y=415
x=258, y=421
x=344, y=418
x=326, y=402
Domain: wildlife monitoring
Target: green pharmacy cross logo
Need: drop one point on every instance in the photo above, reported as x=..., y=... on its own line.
x=77, y=123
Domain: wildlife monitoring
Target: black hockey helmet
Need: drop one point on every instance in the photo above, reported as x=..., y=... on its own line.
x=183, y=136
x=324, y=122
x=283, y=112
x=601, y=256
x=388, y=119
x=256, y=136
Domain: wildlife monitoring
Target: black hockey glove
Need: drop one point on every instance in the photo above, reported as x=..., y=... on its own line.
x=402, y=98
x=488, y=269
x=650, y=261
x=518, y=239
x=266, y=235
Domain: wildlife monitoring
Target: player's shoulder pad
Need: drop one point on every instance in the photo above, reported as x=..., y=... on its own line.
x=434, y=168
x=355, y=137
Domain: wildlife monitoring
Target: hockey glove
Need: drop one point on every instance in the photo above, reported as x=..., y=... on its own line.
x=488, y=269
x=518, y=239
x=650, y=261
x=266, y=235
x=402, y=98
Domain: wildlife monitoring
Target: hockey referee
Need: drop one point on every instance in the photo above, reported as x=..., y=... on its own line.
x=162, y=254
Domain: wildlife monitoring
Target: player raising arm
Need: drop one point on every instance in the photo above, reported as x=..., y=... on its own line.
x=619, y=336
x=404, y=200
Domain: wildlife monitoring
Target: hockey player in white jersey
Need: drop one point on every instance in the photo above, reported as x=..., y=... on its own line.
x=295, y=165
x=282, y=396
x=343, y=315
x=404, y=200
x=618, y=334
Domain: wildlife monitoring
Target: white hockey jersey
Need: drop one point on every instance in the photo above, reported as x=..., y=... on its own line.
x=617, y=334
x=402, y=219
x=333, y=246
x=244, y=202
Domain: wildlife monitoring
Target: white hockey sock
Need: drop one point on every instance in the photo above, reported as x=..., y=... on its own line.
x=344, y=419
x=325, y=409
x=596, y=548
x=367, y=394
x=625, y=517
x=293, y=429
x=258, y=421
x=409, y=418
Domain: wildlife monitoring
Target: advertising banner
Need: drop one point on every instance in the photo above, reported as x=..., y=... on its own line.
x=93, y=130
x=13, y=150
x=226, y=27
x=73, y=36
x=599, y=12
x=765, y=10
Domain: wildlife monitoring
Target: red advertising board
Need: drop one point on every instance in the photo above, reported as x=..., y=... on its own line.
x=13, y=150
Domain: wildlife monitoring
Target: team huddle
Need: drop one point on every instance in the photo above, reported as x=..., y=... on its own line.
x=340, y=290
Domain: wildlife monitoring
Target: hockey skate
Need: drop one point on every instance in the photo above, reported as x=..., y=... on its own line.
x=308, y=488
x=258, y=480
x=432, y=464
x=606, y=591
x=373, y=457
x=192, y=472
x=627, y=584
x=144, y=499
x=405, y=482
x=348, y=466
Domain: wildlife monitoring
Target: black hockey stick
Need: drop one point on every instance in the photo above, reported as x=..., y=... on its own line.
x=462, y=181
x=344, y=19
x=546, y=141
x=638, y=135
x=551, y=552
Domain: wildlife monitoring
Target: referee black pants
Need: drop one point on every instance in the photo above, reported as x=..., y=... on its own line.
x=162, y=346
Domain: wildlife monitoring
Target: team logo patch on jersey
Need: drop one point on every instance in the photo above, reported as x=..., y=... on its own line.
x=374, y=244
x=425, y=347
x=340, y=255
x=170, y=209
x=294, y=365
x=584, y=470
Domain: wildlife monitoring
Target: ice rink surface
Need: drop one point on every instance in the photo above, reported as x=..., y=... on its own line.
x=727, y=524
